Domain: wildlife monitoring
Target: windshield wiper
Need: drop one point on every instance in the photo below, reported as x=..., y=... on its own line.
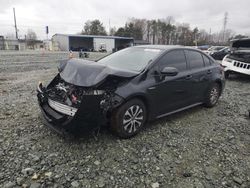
x=147, y=65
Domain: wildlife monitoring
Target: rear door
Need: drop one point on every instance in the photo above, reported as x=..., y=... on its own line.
x=200, y=73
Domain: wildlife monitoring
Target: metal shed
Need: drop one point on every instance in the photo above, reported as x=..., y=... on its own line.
x=66, y=42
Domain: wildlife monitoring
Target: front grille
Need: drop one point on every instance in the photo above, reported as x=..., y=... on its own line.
x=241, y=65
x=62, y=108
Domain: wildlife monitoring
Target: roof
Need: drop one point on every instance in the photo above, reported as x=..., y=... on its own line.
x=162, y=47
x=94, y=36
x=166, y=47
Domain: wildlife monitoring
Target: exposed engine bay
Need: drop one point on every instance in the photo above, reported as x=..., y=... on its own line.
x=68, y=94
x=65, y=93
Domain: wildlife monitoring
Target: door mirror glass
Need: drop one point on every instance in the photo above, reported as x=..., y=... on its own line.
x=169, y=71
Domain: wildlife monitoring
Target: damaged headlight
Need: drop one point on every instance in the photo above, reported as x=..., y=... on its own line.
x=110, y=101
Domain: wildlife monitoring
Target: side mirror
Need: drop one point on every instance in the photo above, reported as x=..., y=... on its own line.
x=169, y=71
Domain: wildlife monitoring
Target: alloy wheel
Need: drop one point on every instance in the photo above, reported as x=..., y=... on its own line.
x=133, y=119
x=214, y=95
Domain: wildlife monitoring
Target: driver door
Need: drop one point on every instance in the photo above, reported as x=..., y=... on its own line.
x=170, y=93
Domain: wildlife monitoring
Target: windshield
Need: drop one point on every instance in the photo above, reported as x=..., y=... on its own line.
x=133, y=59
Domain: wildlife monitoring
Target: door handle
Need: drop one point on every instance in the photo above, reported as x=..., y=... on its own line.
x=152, y=88
x=188, y=77
x=209, y=72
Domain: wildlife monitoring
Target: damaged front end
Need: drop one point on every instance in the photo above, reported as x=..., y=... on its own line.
x=82, y=107
x=238, y=61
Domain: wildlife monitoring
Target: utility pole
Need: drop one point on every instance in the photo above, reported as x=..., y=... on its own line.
x=109, y=27
x=224, y=25
x=47, y=32
x=15, y=23
x=210, y=36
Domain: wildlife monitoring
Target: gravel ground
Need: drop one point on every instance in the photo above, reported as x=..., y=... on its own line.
x=197, y=148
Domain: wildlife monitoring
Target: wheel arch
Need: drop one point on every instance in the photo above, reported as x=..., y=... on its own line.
x=145, y=101
x=219, y=82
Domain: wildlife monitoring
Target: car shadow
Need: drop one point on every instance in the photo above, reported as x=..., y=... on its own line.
x=105, y=133
x=173, y=117
x=239, y=77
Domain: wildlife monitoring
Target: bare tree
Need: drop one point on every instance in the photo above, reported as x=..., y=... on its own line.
x=167, y=31
x=31, y=38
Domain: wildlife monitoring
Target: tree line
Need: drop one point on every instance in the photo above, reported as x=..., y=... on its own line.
x=162, y=31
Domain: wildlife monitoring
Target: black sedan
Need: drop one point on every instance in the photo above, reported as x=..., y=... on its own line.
x=128, y=88
x=219, y=55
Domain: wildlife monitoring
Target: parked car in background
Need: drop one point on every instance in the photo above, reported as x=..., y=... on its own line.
x=214, y=49
x=129, y=88
x=238, y=61
x=102, y=47
x=219, y=55
x=203, y=48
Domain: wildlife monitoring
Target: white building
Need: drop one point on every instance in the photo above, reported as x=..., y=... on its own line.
x=64, y=42
x=20, y=44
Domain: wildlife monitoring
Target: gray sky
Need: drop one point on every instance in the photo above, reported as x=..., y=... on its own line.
x=69, y=16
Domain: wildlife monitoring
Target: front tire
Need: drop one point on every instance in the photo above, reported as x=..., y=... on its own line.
x=212, y=95
x=128, y=119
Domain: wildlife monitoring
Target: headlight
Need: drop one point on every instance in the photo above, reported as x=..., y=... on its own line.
x=228, y=60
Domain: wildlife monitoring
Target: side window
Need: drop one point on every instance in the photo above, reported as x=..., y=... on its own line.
x=195, y=59
x=206, y=60
x=175, y=58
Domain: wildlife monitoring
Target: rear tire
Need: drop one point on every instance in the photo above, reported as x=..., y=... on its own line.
x=213, y=95
x=128, y=119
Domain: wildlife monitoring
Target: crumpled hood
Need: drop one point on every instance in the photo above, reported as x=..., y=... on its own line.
x=241, y=43
x=89, y=73
x=240, y=50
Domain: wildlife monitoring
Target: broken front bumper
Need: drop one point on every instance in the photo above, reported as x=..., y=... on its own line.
x=62, y=108
x=64, y=119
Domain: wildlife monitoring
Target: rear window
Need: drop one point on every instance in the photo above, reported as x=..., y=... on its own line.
x=195, y=59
